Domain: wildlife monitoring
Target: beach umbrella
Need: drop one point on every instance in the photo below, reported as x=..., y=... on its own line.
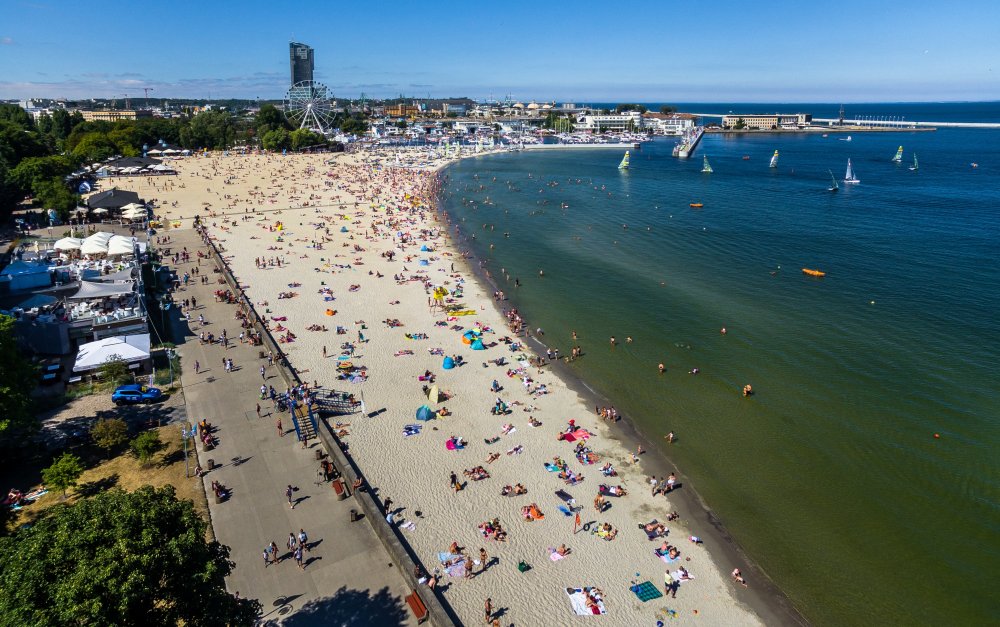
x=343, y=229
x=448, y=363
x=478, y=345
x=100, y=210
x=433, y=395
x=423, y=248
x=425, y=413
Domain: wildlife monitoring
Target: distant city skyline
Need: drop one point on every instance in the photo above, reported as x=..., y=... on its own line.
x=850, y=51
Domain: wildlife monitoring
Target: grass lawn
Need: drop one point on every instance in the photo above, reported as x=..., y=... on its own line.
x=125, y=471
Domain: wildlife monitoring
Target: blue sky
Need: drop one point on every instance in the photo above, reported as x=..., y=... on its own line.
x=723, y=51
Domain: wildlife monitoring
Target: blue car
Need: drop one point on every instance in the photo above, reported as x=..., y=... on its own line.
x=135, y=393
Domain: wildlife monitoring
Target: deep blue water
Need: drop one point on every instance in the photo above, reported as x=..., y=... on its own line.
x=830, y=475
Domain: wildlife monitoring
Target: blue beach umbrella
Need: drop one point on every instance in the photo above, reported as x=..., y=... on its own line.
x=478, y=345
x=448, y=363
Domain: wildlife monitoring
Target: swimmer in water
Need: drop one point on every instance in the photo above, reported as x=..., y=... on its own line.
x=661, y=368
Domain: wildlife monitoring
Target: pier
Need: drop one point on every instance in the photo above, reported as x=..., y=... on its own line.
x=684, y=149
x=881, y=123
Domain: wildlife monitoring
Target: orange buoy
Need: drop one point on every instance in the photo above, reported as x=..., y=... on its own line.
x=937, y=436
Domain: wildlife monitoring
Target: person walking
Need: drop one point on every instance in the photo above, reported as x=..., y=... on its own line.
x=303, y=540
x=267, y=556
x=488, y=609
x=298, y=557
x=291, y=541
x=288, y=494
x=483, y=558
x=258, y=410
x=262, y=377
x=197, y=367
x=274, y=552
x=281, y=432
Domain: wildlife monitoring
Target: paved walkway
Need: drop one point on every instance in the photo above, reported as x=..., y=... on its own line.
x=348, y=576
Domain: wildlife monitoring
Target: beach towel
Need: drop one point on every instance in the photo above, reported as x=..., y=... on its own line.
x=409, y=525
x=646, y=591
x=452, y=445
x=551, y=467
x=444, y=556
x=578, y=599
x=565, y=510
x=554, y=556
x=666, y=557
x=456, y=570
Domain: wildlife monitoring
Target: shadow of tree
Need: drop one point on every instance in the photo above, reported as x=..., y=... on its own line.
x=350, y=608
x=94, y=487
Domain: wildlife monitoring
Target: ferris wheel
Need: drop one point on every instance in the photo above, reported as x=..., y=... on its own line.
x=308, y=105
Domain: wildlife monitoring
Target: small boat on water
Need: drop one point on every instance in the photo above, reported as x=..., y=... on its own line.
x=812, y=272
x=697, y=205
x=746, y=157
x=845, y=139
x=899, y=155
x=915, y=166
x=624, y=164
x=850, y=177
x=833, y=183
x=706, y=168
x=774, y=159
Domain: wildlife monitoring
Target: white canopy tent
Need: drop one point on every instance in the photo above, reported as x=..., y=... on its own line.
x=100, y=210
x=94, y=289
x=68, y=243
x=120, y=245
x=93, y=355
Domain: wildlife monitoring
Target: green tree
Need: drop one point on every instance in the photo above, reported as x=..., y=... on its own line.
x=276, y=140
x=269, y=119
x=53, y=194
x=667, y=109
x=16, y=143
x=37, y=169
x=740, y=124
x=17, y=379
x=109, y=433
x=17, y=115
x=114, y=369
x=119, y=558
x=622, y=108
x=63, y=472
x=145, y=445
x=95, y=146
x=303, y=137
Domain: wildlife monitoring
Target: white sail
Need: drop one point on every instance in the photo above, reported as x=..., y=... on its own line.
x=915, y=165
x=706, y=168
x=849, y=177
x=774, y=159
x=833, y=182
x=899, y=155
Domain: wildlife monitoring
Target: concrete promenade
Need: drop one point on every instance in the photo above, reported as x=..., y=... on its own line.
x=348, y=577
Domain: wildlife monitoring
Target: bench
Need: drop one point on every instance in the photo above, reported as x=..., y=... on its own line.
x=418, y=607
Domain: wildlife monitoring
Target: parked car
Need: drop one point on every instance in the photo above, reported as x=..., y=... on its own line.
x=135, y=393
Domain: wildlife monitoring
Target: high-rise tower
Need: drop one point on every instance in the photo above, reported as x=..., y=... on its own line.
x=300, y=57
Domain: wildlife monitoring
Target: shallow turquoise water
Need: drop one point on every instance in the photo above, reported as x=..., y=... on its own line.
x=830, y=476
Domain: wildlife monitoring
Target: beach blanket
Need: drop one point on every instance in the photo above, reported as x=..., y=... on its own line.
x=409, y=430
x=578, y=599
x=579, y=434
x=445, y=556
x=451, y=445
x=646, y=591
x=554, y=556
x=456, y=570
x=565, y=510
x=551, y=467
x=666, y=557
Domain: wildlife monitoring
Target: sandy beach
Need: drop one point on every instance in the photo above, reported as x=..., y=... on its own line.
x=360, y=244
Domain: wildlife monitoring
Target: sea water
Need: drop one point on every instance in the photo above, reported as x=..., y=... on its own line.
x=863, y=474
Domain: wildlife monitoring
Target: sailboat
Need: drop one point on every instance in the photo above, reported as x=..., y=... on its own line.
x=899, y=155
x=833, y=182
x=774, y=159
x=915, y=166
x=706, y=168
x=624, y=164
x=849, y=176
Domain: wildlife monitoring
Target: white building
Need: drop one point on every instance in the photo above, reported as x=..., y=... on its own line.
x=615, y=122
x=668, y=123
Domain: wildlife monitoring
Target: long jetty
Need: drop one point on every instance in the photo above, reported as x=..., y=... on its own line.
x=888, y=124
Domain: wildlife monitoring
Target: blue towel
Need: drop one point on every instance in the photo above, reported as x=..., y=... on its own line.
x=551, y=467
x=565, y=510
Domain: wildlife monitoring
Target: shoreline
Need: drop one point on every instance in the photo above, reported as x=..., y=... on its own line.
x=369, y=442
x=768, y=601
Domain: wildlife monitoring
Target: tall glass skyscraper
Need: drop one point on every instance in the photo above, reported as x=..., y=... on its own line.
x=300, y=58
